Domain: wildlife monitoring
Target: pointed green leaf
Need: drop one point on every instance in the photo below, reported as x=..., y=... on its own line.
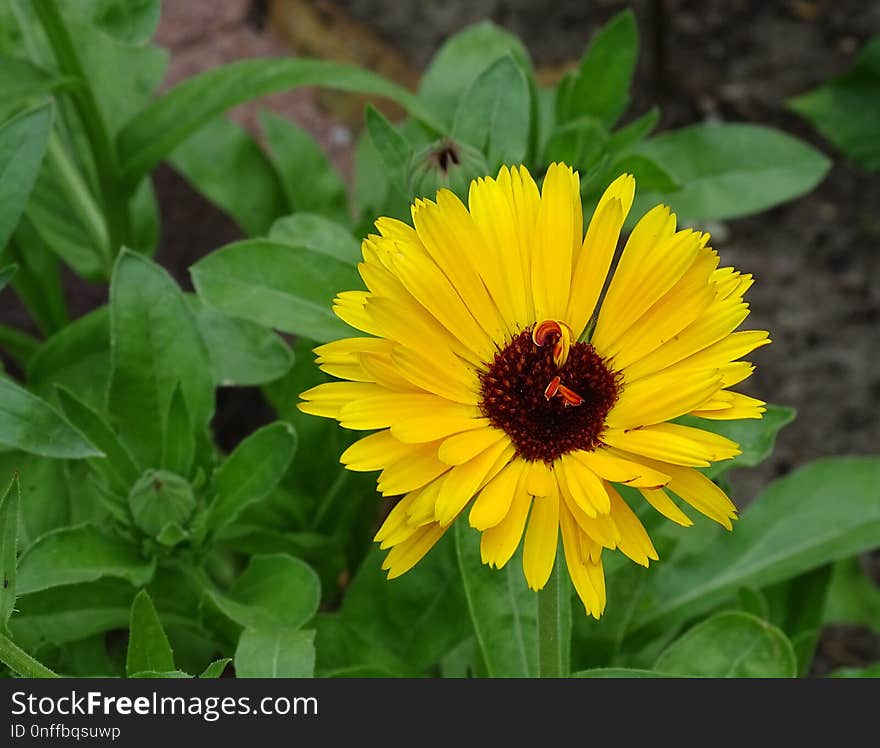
x=275, y=653
x=216, y=668
x=128, y=21
x=8, y=549
x=22, y=145
x=242, y=352
x=288, y=288
x=157, y=130
x=396, y=152
x=601, y=86
x=461, y=59
x=155, y=347
x=251, y=472
x=118, y=459
x=730, y=170
x=148, y=647
x=32, y=425
x=846, y=110
x=179, y=443
x=275, y=591
x=82, y=553
x=317, y=234
x=494, y=114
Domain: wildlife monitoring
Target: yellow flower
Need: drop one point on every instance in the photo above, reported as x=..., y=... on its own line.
x=483, y=376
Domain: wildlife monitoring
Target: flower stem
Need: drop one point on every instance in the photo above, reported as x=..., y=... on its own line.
x=554, y=626
x=21, y=662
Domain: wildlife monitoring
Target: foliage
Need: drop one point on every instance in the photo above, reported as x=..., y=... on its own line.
x=132, y=518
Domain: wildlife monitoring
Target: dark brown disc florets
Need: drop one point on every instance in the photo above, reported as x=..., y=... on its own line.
x=547, y=409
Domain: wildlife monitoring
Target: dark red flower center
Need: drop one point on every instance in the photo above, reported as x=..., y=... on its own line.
x=548, y=409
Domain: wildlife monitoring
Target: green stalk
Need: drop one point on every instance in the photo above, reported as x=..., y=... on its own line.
x=21, y=662
x=81, y=199
x=554, y=626
x=113, y=196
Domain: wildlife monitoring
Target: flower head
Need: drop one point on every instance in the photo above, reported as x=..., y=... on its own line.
x=494, y=378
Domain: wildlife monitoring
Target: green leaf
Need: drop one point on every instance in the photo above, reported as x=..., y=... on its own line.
x=288, y=288
x=730, y=645
x=118, y=459
x=160, y=499
x=22, y=145
x=600, y=87
x=460, y=61
x=38, y=279
x=579, y=143
x=73, y=612
x=21, y=80
x=250, y=472
x=242, y=352
x=18, y=345
x=317, y=234
x=148, y=647
x=756, y=436
x=731, y=170
x=853, y=596
x=155, y=348
x=418, y=617
x=309, y=181
x=503, y=610
x=224, y=164
x=494, y=114
x=649, y=174
x=275, y=591
x=73, y=555
x=9, y=503
x=797, y=607
x=635, y=132
x=619, y=672
x=825, y=511
x=216, y=668
x=32, y=425
x=77, y=357
x=128, y=21
x=846, y=110
x=342, y=649
x=159, y=128
x=179, y=442
x=394, y=149
x=44, y=481
x=275, y=653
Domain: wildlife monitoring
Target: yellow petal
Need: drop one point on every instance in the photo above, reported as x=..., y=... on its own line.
x=444, y=418
x=661, y=397
x=600, y=529
x=672, y=442
x=396, y=519
x=539, y=552
x=375, y=452
x=463, y=481
x=659, y=499
x=589, y=585
x=499, y=543
x=597, y=251
x=417, y=469
x=349, y=306
x=460, y=448
x=612, y=467
x=403, y=557
x=494, y=501
x=540, y=480
x=330, y=398
x=583, y=485
x=442, y=374
x=555, y=242
x=634, y=541
x=639, y=282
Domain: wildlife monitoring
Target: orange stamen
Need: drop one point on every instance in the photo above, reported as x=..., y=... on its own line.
x=552, y=388
x=543, y=330
x=570, y=397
